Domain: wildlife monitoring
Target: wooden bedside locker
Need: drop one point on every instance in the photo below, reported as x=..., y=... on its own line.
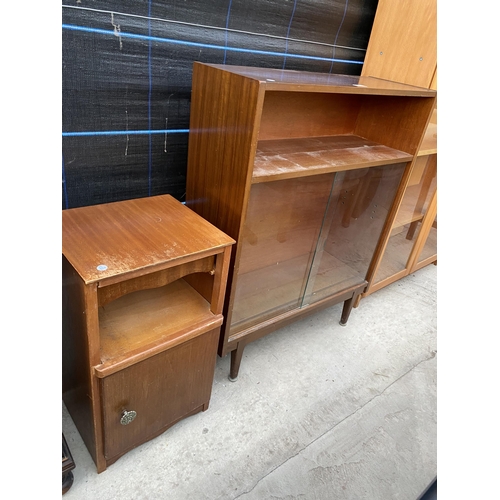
x=143, y=290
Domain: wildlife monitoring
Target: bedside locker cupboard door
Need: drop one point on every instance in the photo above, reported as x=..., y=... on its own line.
x=142, y=401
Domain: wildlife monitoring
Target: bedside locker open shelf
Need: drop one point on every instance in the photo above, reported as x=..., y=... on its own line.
x=142, y=322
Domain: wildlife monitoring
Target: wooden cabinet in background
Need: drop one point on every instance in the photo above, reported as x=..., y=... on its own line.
x=412, y=242
x=143, y=289
x=406, y=52
x=303, y=170
x=425, y=249
x=403, y=43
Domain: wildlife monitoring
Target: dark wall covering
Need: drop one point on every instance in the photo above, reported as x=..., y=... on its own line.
x=127, y=68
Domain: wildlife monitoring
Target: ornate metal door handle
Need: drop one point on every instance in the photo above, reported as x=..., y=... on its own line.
x=127, y=417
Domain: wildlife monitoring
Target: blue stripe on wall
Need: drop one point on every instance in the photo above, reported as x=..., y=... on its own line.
x=205, y=45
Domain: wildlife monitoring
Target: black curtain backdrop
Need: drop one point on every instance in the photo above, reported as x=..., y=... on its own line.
x=127, y=68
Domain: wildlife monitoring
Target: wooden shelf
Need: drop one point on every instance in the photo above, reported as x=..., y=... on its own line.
x=289, y=158
x=157, y=318
x=407, y=213
x=429, y=142
x=416, y=198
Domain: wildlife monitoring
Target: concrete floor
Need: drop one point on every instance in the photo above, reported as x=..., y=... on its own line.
x=319, y=411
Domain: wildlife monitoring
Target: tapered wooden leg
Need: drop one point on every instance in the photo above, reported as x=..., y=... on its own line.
x=346, y=310
x=236, y=356
x=350, y=303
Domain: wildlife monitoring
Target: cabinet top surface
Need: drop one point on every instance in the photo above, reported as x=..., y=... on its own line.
x=277, y=79
x=106, y=240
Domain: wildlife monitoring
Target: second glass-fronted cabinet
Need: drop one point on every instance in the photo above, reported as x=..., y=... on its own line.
x=412, y=242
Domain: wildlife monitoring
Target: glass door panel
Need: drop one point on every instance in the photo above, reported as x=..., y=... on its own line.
x=277, y=244
x=357, y=211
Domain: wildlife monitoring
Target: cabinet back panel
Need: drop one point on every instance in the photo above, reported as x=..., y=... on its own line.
x=300, y=114
x=141, y=319
x=153, y=280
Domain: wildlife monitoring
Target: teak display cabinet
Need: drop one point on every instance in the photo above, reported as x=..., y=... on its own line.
x=303, y=170
x=143, y=290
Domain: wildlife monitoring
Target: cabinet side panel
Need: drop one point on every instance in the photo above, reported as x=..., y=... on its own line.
x=222, y=141
x=75, y=356
x=398, y=122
